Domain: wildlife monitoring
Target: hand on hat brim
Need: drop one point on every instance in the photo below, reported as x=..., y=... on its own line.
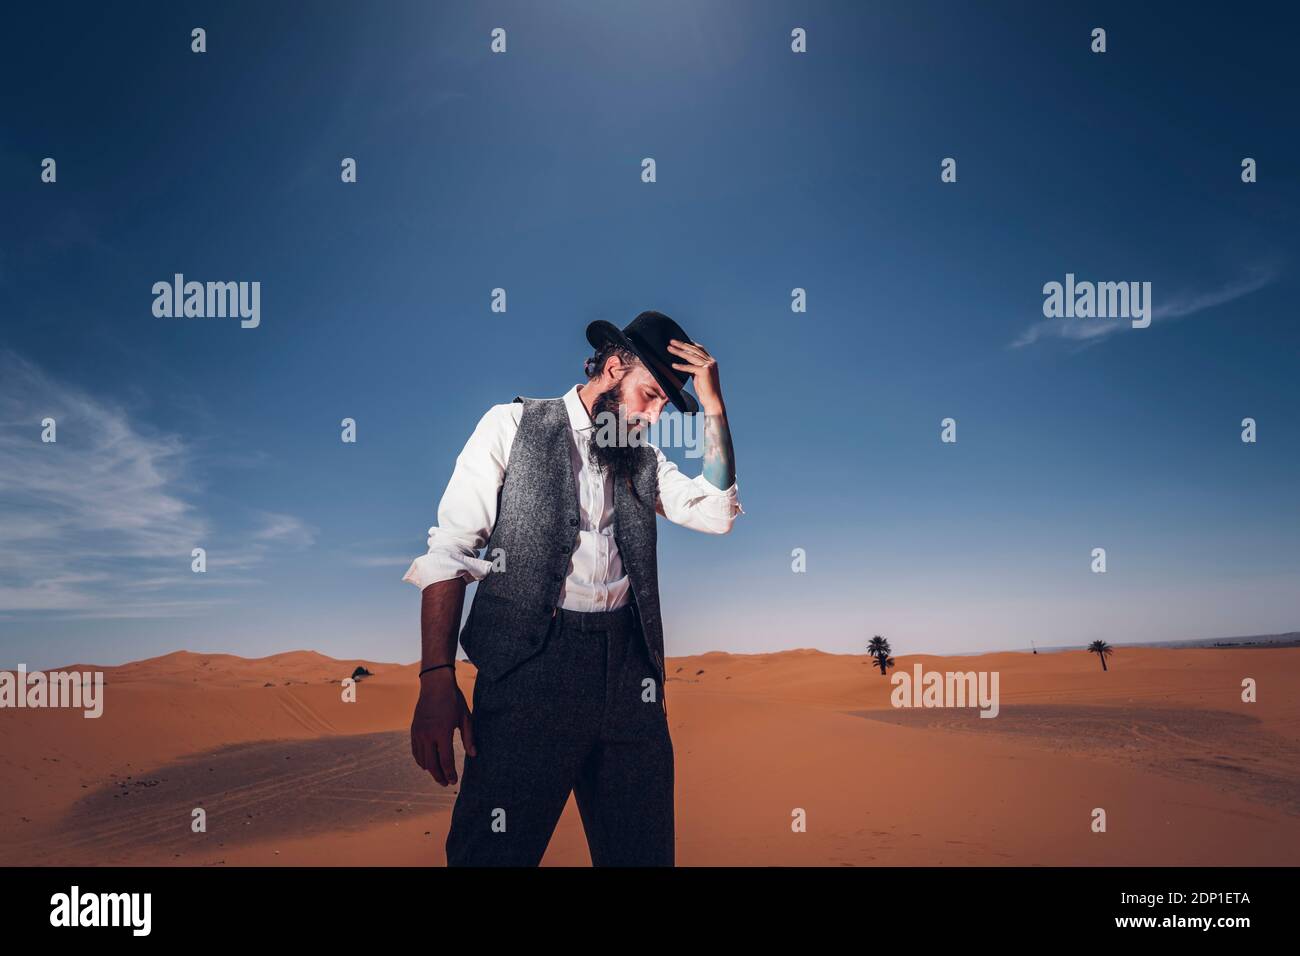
x=703, y=369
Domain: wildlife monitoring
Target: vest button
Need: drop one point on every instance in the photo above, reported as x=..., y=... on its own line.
x=573, y=521
x=556, y=577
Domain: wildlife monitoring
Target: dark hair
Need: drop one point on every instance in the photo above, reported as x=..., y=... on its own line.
x=594, y=364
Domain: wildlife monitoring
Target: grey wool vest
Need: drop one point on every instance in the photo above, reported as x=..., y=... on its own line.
x=537, y=531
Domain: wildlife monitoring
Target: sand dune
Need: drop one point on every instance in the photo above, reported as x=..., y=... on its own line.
x=290, y=774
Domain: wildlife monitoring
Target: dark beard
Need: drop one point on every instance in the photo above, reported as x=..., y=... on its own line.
x=619, y=459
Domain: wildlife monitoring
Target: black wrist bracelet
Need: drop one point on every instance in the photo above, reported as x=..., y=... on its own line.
x=435, y=667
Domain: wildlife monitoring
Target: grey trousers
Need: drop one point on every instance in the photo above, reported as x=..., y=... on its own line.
x=585, y=714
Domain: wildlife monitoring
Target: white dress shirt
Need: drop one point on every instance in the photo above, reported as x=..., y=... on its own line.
x=596, y=580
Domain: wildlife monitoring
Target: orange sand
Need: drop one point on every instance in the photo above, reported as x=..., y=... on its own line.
x=1187, y=773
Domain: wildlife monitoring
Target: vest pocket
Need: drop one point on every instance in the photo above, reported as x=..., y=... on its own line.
x=500, y=634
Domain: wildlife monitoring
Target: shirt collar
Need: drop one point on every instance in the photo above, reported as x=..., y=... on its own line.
x=579, y=417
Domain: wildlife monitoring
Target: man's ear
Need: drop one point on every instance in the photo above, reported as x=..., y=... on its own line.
x=616, y=367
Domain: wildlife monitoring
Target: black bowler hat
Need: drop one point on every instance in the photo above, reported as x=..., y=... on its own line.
x=647, y=337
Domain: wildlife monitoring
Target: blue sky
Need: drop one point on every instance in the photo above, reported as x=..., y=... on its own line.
x=775, y=171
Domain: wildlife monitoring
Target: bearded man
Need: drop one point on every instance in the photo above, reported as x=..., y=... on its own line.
x=565, y=629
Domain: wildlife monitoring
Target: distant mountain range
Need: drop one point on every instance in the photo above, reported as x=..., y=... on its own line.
x=1289, y=639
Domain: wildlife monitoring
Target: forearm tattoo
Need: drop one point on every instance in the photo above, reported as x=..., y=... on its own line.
x=719, y=459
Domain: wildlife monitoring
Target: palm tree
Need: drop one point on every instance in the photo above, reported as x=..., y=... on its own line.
x=1101, y=649
x=878, y=648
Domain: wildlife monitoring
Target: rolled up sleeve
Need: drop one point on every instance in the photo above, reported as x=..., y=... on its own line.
x=695, y=503
x=468, y=509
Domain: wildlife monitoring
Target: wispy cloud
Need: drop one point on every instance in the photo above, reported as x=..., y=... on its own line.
x=99, y=524
x=1179, y=306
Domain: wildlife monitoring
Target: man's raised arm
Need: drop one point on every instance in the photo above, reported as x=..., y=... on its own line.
x=709, y=502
